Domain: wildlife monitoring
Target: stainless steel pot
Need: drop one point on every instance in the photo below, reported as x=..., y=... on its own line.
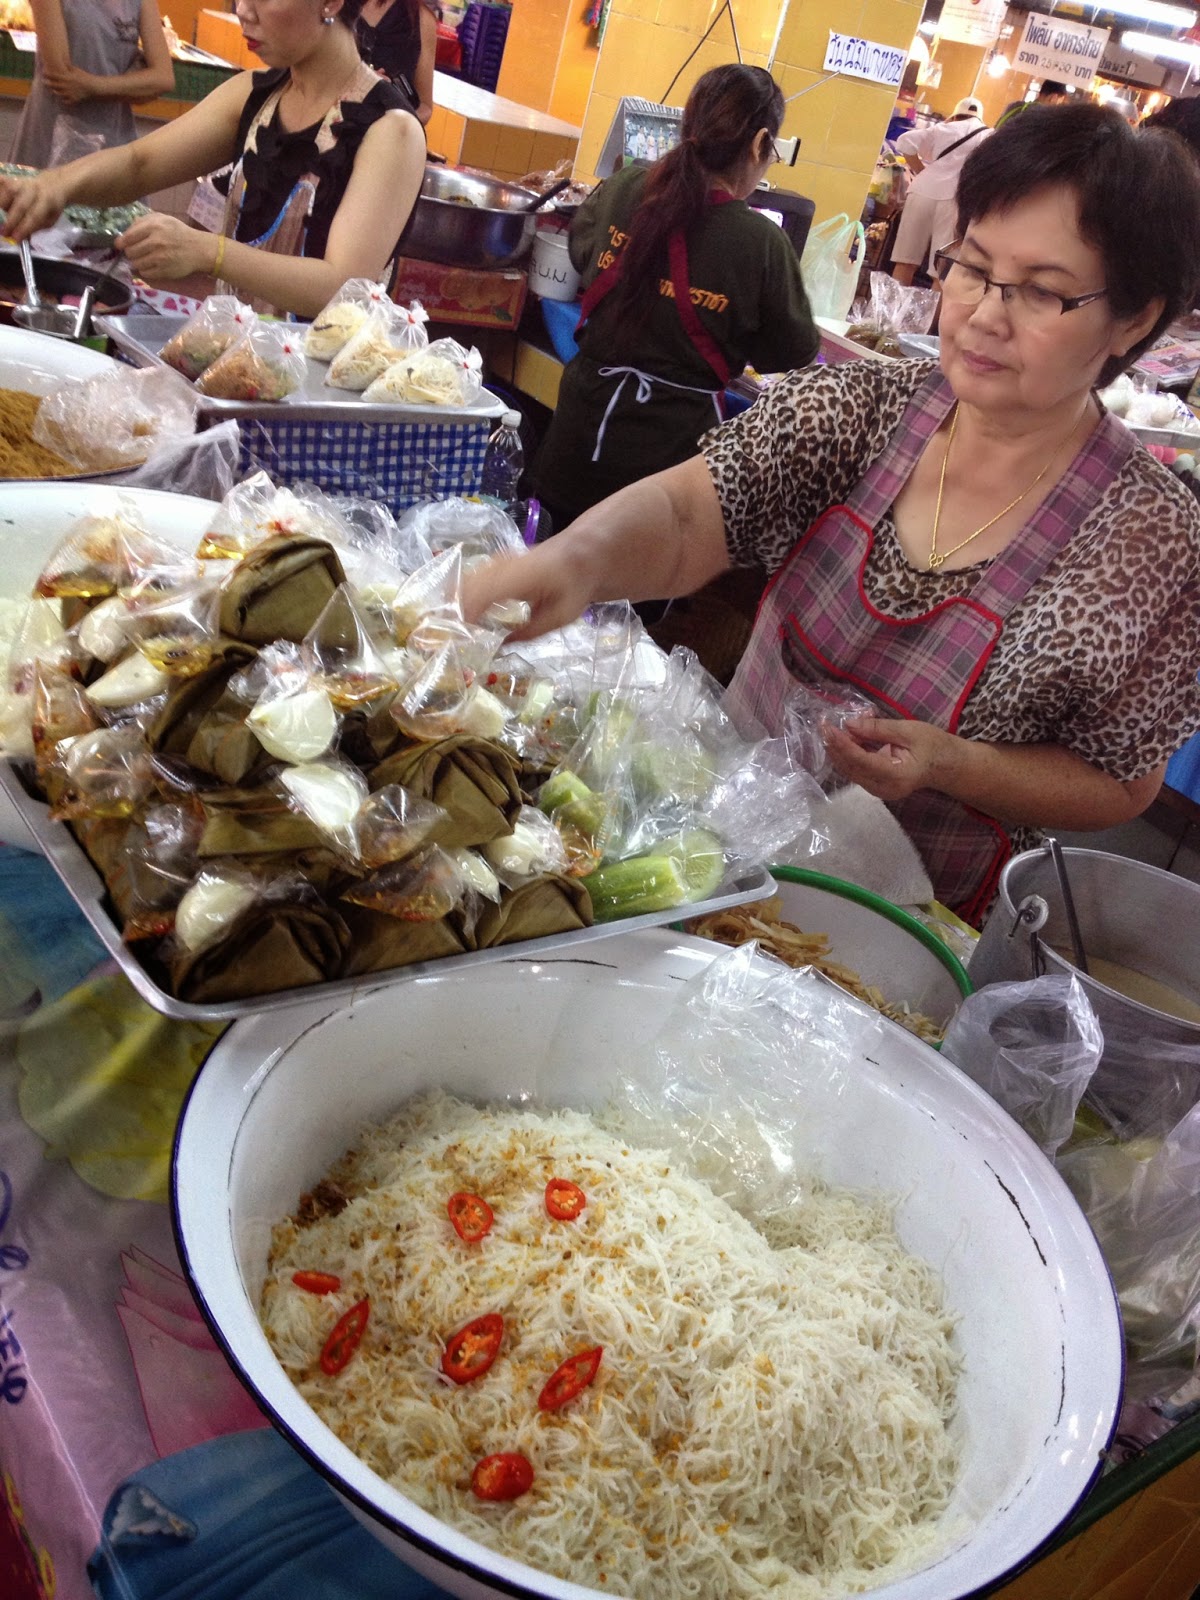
x=464, y=218
x=1136, y=916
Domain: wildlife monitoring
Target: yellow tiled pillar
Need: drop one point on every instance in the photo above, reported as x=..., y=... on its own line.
x=841, y=123
x=531, y=50
x=550, y=56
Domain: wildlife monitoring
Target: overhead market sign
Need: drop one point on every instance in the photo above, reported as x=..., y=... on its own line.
x=1051, y=48
x=1130, y=67
x=863, y=58
x=972, y=21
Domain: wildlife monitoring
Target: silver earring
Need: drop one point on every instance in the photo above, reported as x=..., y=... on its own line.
x=328, y=21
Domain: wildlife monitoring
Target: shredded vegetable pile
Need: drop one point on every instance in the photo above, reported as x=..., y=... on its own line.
x=763, y=922
x=579, y=1355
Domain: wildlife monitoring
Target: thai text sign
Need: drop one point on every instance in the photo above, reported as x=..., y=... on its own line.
x=1067, y=51
x=863, y=58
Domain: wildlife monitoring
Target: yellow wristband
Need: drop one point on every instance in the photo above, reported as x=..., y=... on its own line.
x=222, y=241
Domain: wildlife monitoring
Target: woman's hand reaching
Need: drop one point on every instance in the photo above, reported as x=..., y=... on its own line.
x=30, y=204
x=891, y=758
x=163, y=249
x=543, y=577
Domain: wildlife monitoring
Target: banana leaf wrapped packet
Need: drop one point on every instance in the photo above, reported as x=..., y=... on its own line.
x=532, y=910
x=474, y=780
x=279, y=590
x=204, y=723
x=254, y=822
x=235, y=939
x=379, y=941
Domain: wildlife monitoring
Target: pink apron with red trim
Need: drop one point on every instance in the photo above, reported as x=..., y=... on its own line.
x=816, y=624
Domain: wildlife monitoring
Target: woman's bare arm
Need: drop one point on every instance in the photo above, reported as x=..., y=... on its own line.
x=200, y=141
x=73, y=84
x=660, y=537
x=381, y=193
x=423, y=71
x=1035, y=785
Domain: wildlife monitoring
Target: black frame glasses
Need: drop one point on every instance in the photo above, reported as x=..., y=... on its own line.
x=943, y=261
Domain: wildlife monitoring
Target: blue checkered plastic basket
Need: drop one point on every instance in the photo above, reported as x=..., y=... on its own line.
x=399, y=463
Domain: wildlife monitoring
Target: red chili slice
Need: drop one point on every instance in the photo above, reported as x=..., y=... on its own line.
x=472, y=1349
x=317, y=1282
x=564, y=1199
x=501, y=1477
x=471, y=1215
x=345, y=1338
x=570, y=1379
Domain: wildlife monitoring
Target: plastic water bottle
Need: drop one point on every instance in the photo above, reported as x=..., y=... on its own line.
x=503, y=462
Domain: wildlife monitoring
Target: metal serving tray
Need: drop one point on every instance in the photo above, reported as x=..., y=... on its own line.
x=140, y=336
x=86, y=887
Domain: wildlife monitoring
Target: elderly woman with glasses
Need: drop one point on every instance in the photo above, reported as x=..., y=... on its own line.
x=975, y=546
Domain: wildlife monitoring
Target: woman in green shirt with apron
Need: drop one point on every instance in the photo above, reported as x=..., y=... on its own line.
x=685, y=284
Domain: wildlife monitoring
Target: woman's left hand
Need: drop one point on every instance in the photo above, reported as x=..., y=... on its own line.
x=71, y=84
x=890, y=758
x=163, y=249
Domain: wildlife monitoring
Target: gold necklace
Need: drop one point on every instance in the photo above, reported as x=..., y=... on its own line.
x=936, y=557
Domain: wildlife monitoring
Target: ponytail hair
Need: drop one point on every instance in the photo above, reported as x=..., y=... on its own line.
x=724, y=112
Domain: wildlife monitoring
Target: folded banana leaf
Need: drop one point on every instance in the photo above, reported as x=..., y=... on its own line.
x=474, y=780
x=543, y=906
x=206, y=725
x=143, y=899
x=255, y=824
x=273, y=945
x=279, y=590
x=378, y=941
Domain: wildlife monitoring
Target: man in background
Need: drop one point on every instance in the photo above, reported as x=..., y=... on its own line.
x=936, y=155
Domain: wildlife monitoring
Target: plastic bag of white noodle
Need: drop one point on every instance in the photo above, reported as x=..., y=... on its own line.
x=117, y=419
x=337, y=323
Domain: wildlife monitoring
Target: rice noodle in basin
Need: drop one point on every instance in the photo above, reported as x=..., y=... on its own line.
x=769, y=1410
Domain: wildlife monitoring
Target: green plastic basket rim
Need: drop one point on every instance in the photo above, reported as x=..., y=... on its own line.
x=884, y=908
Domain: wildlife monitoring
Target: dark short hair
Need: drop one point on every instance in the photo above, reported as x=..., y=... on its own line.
x=1138, y=195
x=349, y=12
x=1181, y=117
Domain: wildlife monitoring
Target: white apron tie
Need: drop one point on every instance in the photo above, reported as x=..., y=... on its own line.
x=645, y=382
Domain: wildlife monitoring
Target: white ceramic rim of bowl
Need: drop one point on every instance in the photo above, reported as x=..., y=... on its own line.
x=428, y=1536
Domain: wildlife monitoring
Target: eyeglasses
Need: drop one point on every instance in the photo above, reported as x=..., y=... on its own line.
x=1032, y=302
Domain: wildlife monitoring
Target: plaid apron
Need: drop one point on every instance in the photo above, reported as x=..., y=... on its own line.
x=815, y=624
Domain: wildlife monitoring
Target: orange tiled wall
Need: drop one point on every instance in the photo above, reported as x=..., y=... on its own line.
x=220, y=33
x=841, y=123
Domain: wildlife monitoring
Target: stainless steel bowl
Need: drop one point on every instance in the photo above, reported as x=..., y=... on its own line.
x=464, y=218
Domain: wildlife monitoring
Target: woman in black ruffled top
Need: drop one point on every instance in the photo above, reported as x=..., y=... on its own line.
x=399, y=39
x=327, y=165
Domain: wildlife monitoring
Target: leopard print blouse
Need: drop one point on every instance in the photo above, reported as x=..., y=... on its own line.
x=1101, y=656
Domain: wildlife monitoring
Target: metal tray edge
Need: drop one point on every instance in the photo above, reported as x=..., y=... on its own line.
x=86, y=888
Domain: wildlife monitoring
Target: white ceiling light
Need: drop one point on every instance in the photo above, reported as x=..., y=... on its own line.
x=1151, y=11
x=1149, y=44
